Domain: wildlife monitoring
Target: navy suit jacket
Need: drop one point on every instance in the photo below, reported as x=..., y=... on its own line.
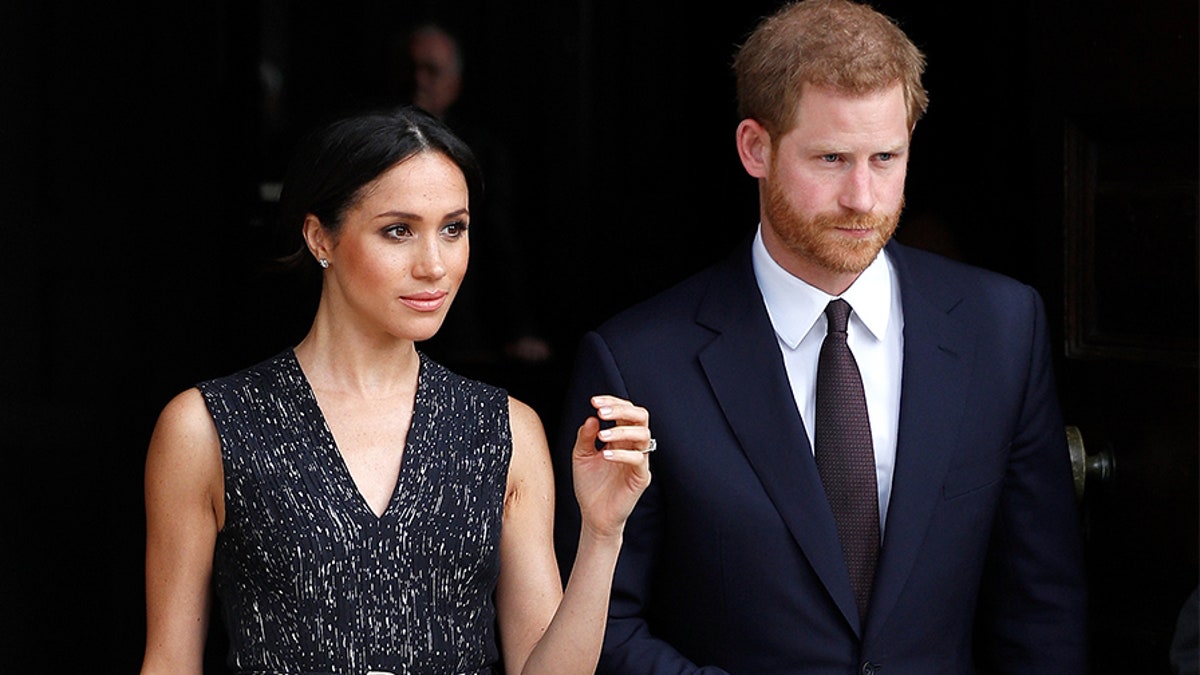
x=731, y=560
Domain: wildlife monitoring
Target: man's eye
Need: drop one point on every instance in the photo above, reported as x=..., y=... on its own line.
x=830, y=158
x=884, y=156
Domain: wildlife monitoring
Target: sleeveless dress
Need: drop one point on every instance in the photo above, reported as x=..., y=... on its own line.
x=309, y=579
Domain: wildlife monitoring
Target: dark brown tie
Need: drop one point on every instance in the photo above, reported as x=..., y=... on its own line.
x=845, y=456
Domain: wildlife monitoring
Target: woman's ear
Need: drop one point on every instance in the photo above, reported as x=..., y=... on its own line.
x=316, y=238
x=754, y=147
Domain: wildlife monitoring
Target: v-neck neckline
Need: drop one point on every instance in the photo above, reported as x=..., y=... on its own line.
x=330, y=450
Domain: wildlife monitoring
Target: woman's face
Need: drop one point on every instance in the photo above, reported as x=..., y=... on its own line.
x=401, y=253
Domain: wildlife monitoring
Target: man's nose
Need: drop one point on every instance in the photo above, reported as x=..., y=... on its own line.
x=858, y=190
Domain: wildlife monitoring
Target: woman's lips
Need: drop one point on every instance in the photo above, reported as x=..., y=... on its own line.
x=425, y=301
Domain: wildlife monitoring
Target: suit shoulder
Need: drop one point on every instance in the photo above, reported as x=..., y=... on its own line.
x=932, y=270
x=676, y=304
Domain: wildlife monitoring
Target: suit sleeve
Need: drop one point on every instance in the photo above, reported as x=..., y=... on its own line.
x=1032, y=612
x=629, y=645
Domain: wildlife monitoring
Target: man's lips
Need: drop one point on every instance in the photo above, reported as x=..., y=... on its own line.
x=856, y=232
x=425, y=301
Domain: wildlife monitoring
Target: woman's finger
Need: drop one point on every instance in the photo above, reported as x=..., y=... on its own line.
x=626, y=437
x=585, y=437
x=634, y=458
x=620, y=411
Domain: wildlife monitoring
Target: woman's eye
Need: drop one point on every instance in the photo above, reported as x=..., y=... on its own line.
x=455, y=230
x=398, y=232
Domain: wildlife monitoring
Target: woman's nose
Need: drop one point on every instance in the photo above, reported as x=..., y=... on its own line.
x=430, y=264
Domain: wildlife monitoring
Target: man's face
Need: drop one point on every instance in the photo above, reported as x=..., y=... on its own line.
x=436, y=77
x=834, y=184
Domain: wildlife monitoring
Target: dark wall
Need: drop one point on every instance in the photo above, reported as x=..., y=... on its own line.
x=134, y=143
x=132, y=151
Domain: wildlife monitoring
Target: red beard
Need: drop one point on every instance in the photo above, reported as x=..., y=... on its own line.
x=816, y=238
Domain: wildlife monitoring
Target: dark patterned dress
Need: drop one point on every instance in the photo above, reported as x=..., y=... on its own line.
x=309, y=579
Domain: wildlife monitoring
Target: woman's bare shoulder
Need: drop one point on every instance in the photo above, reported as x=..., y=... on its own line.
x=531, y=455
x=185, y=438
x=523, y=418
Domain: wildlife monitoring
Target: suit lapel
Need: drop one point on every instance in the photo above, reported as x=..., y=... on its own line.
x=745, y=369
x=938, y=351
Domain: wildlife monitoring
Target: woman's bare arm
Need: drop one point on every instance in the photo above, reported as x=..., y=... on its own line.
x=184, y=510
x=544, y=629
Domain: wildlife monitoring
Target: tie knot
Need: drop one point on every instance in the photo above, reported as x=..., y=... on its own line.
x=837, y=312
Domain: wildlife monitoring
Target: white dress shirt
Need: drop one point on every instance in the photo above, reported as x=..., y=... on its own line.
x=875, y=334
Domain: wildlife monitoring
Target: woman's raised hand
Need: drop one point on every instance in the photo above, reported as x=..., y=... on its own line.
x=609, y=480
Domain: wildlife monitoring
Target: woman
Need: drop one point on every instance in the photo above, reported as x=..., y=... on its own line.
x=357, y=507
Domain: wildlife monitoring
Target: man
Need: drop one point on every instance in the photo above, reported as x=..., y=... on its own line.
x=433, y=73
x=746, y=555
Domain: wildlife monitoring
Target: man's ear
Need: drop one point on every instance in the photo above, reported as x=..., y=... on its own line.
x=754, y=147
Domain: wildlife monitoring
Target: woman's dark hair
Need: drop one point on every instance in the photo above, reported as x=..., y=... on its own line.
x=334, y=164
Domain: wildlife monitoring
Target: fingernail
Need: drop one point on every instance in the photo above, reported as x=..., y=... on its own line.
x=605, y=434
x=608, y=454
x=605, y=411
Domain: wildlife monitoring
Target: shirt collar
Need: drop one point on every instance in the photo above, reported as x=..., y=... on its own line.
x=794, y=305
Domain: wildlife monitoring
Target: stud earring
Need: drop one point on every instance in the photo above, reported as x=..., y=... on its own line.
x=324, y=263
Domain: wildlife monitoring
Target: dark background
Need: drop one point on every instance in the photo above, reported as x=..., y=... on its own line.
x=1059, y=147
